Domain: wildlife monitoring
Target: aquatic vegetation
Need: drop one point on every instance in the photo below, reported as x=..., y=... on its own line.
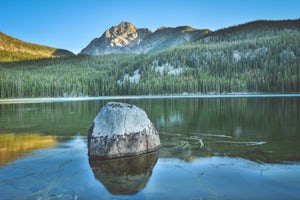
x=242, y=143
x=213, y=144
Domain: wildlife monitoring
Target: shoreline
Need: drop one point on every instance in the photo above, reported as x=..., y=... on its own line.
x=126, y=97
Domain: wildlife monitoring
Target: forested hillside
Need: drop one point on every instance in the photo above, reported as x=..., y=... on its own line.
x=238, y=59
x=12, y=49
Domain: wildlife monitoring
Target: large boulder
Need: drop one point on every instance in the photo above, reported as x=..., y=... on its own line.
x=121, y=129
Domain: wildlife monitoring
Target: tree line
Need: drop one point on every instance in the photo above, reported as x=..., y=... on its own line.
x=268, y=63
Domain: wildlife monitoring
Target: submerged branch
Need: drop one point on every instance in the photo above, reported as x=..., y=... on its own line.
x=212, y=135
x=245, y=143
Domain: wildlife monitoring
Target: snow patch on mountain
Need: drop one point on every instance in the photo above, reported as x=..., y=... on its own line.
x=252, y=54
x=135, y=78
x=167, y=69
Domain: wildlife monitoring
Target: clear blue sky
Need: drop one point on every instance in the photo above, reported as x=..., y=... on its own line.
x=72, y=24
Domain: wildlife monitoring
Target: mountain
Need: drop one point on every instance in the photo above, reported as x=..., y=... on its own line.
x=126, y=38
x=117, y=39
x=260, y=56
x=166, y=37
x=252, y=30
x=13, y=49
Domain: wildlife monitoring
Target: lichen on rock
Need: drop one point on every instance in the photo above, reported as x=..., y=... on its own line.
x=120, y=130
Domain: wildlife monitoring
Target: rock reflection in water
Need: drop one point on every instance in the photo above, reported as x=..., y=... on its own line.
x=126, y=175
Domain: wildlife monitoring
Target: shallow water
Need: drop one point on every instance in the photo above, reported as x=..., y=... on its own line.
x=212, y=148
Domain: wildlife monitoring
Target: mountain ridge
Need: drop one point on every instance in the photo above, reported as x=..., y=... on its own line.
x=245, y=58
x=254, y=27
x=13, y=49
x=168, y=37
x=126, y=38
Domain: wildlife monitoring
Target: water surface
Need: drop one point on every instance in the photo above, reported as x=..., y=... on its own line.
x=212, y=148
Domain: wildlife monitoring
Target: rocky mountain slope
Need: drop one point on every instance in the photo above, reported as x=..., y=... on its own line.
x=166, y=37
x=126, y=38
x=12, y=49
x=117, y=39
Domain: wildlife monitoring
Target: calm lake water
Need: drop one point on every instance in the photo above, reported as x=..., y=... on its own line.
x=212, y=148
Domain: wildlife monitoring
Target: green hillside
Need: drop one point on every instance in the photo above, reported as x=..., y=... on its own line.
x=252, y=30
x=246, y=60
x=12, y=49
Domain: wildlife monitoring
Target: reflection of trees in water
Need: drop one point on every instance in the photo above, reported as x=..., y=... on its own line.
x=12, y=145
x=259, y=128
x=170, y=121
x=245, y=116
x=274, y=120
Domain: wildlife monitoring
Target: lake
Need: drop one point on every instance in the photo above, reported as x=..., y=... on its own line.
x=213, y=147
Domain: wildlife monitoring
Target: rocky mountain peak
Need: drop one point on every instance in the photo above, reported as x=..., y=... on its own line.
x=127, y=38
x=124, y=27
x=121, y=35
x=116, y=39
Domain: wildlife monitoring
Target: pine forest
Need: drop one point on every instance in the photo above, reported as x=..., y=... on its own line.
x=264, y=60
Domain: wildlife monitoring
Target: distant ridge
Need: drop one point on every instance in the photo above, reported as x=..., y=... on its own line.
x=256, y=57
x=126, y=38
x=13, y=49
x=255, y=28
